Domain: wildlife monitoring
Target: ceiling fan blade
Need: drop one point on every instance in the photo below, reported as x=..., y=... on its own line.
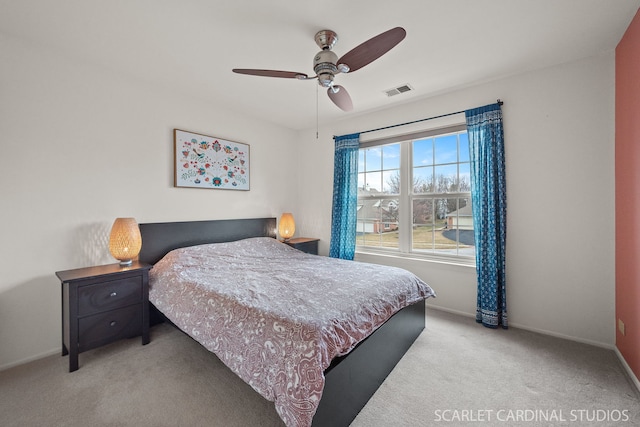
x=372, y=49
x=271, y=73
x=340, y=97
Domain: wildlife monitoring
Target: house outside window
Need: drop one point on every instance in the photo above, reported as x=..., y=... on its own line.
x=422, y=181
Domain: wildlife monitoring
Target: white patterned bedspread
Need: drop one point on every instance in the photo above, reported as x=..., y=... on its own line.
x=277, y=316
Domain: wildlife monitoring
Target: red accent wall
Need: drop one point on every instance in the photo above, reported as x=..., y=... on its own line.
x=627, y=166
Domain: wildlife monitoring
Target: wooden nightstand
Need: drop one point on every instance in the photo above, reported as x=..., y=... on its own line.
x=103, y=304
x=304, y=244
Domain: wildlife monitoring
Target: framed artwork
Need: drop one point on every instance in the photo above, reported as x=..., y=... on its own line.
x=203, y=161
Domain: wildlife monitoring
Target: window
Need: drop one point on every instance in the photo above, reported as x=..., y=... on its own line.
x=422, y=181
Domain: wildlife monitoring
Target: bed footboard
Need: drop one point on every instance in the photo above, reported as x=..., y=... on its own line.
x=352, y=380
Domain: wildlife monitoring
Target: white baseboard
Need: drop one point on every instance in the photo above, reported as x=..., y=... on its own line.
x=449, y=310
x=563, y=336
x=627, y=368
x=624, y=363
x=30, y=359
x=530, y=329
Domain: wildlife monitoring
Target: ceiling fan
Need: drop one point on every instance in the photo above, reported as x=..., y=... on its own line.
x=326, y=63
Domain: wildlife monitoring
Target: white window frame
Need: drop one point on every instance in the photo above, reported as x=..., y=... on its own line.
x=406, y=197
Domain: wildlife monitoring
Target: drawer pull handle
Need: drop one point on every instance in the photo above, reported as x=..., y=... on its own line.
x=113, y=323
x=113, y=294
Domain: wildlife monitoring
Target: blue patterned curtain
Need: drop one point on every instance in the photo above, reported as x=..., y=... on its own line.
x=345, y=197
x=489, y=201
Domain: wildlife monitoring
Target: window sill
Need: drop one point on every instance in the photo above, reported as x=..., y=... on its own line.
x=462, y=262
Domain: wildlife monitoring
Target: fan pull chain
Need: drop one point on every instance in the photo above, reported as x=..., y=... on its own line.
x=317, y=110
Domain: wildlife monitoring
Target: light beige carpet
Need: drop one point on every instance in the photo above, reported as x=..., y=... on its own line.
x=457, y=373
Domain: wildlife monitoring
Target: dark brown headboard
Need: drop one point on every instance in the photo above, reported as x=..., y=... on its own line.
x=162, y=237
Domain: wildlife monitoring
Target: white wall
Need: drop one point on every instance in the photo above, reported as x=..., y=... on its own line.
x=559, y=133
x=82, y=145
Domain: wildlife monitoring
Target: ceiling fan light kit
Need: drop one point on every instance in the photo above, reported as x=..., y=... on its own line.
x=327, y=65
x=324, y=65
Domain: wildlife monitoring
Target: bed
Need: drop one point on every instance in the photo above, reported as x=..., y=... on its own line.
x=306, y=358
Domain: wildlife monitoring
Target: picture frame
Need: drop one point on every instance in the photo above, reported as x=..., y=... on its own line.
x=203, y=161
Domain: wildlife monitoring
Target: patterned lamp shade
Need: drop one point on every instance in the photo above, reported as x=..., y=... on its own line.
x=125, y=240
x=287, y=226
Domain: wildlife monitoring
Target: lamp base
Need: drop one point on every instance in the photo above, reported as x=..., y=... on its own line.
x=126, y=262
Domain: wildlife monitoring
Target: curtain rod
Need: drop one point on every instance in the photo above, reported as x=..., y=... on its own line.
x=499, y=102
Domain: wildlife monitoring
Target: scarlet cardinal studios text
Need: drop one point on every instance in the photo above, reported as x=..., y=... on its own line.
x=531, y=415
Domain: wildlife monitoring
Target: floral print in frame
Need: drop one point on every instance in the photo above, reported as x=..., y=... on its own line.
x=203, y=161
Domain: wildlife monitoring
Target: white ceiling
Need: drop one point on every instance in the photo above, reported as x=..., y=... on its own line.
x=192, y=45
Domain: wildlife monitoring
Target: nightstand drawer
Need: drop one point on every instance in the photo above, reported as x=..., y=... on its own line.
x=102, y=328
x=308, y=247
x=108, y=295
x=304, y=244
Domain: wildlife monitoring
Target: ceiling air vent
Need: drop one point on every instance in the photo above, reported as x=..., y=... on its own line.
x=398, y=90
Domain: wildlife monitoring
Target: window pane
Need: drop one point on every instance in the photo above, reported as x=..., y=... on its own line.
x=423, y=233
x=373, y=181
x=446, y=149
x=422, y=212
x=423, y=180
x=391, y=182
x=373, y=159
x=391, y=157
x=445, y=177
x=361, y=161
x=423, y=152
x=443, y=226
x=441, y=208
x=465, y=177
x=446, y=213
x=463, y=141
x=377, y=224
x=361, y=182
x=459, y=227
